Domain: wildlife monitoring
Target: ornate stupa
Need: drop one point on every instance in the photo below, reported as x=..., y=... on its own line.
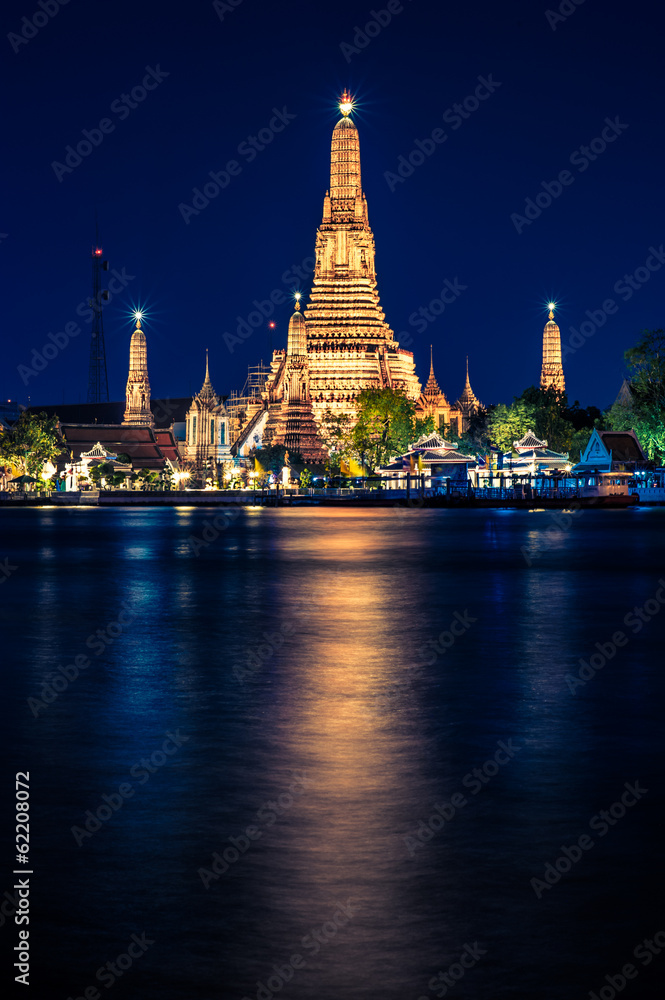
x=291, y=422
x=350, y=345
x=551, y=374
x=137, y=409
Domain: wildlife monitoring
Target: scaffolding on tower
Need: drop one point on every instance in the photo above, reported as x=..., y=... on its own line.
x=98, y=382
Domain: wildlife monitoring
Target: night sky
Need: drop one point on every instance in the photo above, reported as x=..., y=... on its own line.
x=219, y=76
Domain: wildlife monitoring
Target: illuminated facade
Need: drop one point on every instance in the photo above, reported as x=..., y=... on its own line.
x=551, y=374
x=343, y=344
x=207, y=427
x=291, y=418
x=137, y=395
x=468, y=403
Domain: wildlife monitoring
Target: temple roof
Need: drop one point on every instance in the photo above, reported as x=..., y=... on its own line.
x=432, y=390
x=529, y=441
x=624, y=395
x=206, y=393
x=468, y=399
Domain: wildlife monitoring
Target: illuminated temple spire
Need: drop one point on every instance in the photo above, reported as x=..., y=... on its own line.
x=468, y=402
x=432, y=387
x=207, y=393
x=137, y=409
x=551, y=374
x=350, y=345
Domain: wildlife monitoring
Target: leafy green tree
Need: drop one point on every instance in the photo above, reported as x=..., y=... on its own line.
x=386, y=425
x=645, y=411
x=335, y=431
x=32, y=441
x=305, y=478
x=508, y=423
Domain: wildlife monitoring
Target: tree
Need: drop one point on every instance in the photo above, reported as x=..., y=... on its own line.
x=645, y=411
x=508, y=423
x=32, y=441
x=335, y=431
x=386, y=425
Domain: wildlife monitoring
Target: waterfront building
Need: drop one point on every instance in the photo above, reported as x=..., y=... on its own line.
x=467, y=404
x=551, y=373
x=207, y=429
x=611, y=451
x=348, y=345
x=436, y=459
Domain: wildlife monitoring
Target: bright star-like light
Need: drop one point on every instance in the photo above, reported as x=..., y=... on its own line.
x=551, y=306
x=138, y=314
x=346, y=104
x=297, y=296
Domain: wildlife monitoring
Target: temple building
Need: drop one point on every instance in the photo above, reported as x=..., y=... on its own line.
x=291, y=422
x=137, y=409
x=207, y=428
x=348, y=345
x=551, y=374
x=468, y=403
x=449, y=418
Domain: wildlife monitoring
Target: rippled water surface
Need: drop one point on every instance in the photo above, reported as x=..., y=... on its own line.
x=330, y=677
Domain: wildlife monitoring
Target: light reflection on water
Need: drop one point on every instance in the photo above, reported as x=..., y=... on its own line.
x=281, y=650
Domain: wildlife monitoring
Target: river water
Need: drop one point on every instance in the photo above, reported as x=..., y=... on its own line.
x=330, y=754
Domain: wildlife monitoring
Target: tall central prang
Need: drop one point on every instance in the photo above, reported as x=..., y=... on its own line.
x=350, y=346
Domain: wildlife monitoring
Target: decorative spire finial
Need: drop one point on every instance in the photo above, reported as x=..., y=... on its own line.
x=431, y=361
x=138, y=316
x=297, y=297
x=551, y=306
x=346, y=103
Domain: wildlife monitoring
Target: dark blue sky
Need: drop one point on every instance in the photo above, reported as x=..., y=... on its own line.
x=451, y=219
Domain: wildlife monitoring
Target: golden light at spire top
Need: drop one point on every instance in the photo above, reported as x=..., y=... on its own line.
x=346, y=104
x=551, y=306
x=138, y=316
x=297, y=296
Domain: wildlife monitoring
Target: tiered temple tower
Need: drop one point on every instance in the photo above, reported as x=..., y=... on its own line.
x=292, y=424
x=137, y=410
x=551, y=374
x=350, y=347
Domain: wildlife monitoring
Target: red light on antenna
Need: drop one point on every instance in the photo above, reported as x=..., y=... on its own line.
x=272, y=325
x=98, y=253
